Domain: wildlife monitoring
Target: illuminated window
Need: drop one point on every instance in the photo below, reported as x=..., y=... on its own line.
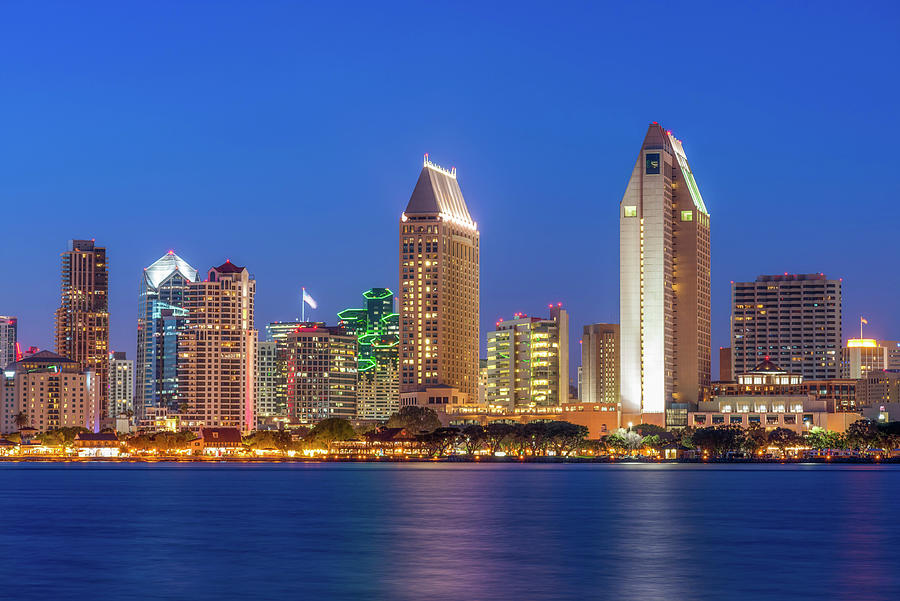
x=630, y=211
x=687, y=215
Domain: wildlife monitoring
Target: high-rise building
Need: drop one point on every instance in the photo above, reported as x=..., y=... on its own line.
x=8, y=340
x=862, y=356
x=377, y=329
x=664, y=284
x=725, y=374
x=322, y=373
x=218, y=349
x=793, y=318
x=439, y=262
x=161, y=320
x=49, y=392
x=600, y=363
x=82, y=320
x=528, y=361
x=269, y=405
x=121, y=385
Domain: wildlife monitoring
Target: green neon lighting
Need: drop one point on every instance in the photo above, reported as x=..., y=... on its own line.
x=377, y=293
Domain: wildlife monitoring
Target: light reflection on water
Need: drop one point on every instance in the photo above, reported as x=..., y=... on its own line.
x=449, y=531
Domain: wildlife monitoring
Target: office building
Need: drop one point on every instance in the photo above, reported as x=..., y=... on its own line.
x=600, y=366
x=793, y=318
x=878, y=388
x=725, y=374
x=862, y=356
x=217, y=350
x=269, y=406
x=162, y=318
x=121, y=385
x=321, y=373
x=528, y=361
x=664, y=285
x=50, y=392
x=82, y=320
x=439, y=283
x=377, y=329
x=8, y=340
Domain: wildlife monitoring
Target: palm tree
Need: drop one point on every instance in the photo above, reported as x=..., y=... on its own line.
x=21, y=420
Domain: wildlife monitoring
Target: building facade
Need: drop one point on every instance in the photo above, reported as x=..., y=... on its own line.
x=862, y=356
x=439, y=286
x=321, y=373
x=528, y=361
x=278, y=332
x=162, y=317
x=217, y=350
x=600, y=363
x=664, y=284
x=377, y=330
x=8, y=340
x=793, y=318
x=50, y=392
x=121, y=385
x=269, y=406
x=82, y=320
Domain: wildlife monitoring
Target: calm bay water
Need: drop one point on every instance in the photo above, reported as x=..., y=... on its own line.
x=448, y=531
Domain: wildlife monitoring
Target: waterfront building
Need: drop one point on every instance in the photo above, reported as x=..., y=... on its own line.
x=321, y=373
x=528, y=361
x=377, y=329
x=600, y=367
x=82, y=320
x=8, y=340
x=121, y=386
x=664, y=285
x=217, y=349
x=439, y=286
x=863, y=356
x=793, y=318
x=162, y=318
x=51, y=392
x=878, y=388
x=269, y=406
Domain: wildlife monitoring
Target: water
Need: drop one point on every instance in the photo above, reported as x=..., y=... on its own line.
x=448, y=531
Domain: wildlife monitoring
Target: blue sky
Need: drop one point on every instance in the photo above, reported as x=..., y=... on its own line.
x=288, y=138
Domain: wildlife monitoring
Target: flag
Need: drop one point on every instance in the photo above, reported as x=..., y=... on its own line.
x=864, y=320
x=309, y=300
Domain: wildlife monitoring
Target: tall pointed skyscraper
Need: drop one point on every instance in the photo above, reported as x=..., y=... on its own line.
x=162, y=317
x=664, y=285
x=439, y=259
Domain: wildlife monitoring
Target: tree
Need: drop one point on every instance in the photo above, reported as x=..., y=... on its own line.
x=474, y=437
x=415, y=420
x=564, y=437
x=441, y=441
x=649, y=429
x=64, y=437
x=862, y=434
x=331, y=430
x=624, y=440
x=755, y=438
x=21, y=420
x=496, y=433
x=718, y=440
x=821, y=439
x=889, y=435
x=783, y=439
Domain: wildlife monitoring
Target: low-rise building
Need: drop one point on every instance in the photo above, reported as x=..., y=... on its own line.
x=97, y=444
x=219, y=441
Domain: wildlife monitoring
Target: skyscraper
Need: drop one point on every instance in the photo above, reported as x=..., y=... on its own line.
x=600, y=363
x=863, y=356
x=664, y=284
x=528, y=361
x=377, y=329
x=218, y=349
x=439, y=283
x=8, y=340
x=321, y=380
x=268, y=404
x=161, y=320
x=82, y=320
x=121, y=385
x=793, y=318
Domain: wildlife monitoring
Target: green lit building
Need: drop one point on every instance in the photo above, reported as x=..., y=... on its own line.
x=377, y=328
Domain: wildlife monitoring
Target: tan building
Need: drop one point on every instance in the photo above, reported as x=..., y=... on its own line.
x=50, y=392
x=599, y=418
x=321, y=373
x=725, y=374
x=664, y=285
x=863, y=356
x=217, y=352
x=82, y=320
x=600, y=363
x=799, y=413
x=439, y=283
x=878, y=388
x=528, y=361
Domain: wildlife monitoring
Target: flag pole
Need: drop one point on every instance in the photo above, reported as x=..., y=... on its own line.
x=303, y=308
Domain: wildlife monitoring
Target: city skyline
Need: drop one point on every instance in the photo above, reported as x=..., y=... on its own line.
x=575, y=153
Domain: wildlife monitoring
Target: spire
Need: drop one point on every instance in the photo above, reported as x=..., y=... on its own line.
x=437, y=192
